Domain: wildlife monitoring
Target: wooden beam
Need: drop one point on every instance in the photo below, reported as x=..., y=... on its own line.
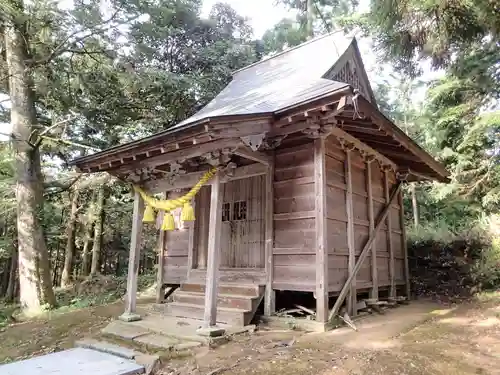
x=401, y=153
x=405, y=247
x=239, y=129
x=190, y=179
x=371, y=238
x=390, y=247
x=371, y=219
x=213, y=259
x=294, y=127
x=130, y=313
x=385, y=142
x=321, y=231
x=351, y=301
x=162, y=240
x=270, y=295
x=257, y=156
x=358, y=130
x=339, y=133
x=185, y=153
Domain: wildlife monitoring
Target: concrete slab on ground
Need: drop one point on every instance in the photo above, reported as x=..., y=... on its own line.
x=158, y=341
x=124, y=330
x=77, y=361
x=183, y=329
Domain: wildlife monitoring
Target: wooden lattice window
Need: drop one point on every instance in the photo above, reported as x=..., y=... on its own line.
x=240, y=210
x=349, y=75
x=226, y=211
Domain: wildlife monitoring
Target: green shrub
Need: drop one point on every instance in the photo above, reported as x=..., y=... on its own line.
x=453, y=263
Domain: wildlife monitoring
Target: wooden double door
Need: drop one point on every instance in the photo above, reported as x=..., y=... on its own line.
x=243, y=226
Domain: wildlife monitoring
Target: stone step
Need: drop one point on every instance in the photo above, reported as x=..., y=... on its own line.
x=250, y=290
x=234, y=317
x=107, y=347
x=232, y=301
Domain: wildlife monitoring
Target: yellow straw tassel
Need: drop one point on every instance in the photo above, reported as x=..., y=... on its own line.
x=187, y=213
x=149, y=215
x=168, y=222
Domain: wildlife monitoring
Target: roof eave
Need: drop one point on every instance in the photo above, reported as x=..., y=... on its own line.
x=163, y=134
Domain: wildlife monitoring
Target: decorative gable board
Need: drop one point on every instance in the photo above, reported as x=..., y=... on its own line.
x=349, y=69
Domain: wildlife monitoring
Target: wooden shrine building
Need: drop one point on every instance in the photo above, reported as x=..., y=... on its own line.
x=306, y=197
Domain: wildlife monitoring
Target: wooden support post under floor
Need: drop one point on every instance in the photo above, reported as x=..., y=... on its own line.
x=270, y=295
x=130, y=313
x=213, y=258
x=321, y=231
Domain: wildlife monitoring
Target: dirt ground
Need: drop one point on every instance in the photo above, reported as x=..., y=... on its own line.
x=463, y=339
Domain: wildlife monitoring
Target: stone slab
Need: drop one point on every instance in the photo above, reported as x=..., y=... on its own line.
x=183, y=329
x=149, y=362
x=107, y=347
x=129, y=317
x=77, y=361
x=123, y=330
x=211, y=331
x=157, y=341
x=187, y=345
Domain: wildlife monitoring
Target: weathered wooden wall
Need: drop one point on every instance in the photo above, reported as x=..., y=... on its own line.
x=294, y=219
x=337, y=222
x=294, y=245
x=175, y=264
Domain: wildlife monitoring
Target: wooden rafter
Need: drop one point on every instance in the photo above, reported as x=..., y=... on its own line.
x=182, y=154
x=340, y=134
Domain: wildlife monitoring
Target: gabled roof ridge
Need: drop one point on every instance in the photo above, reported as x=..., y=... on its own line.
x=291, y=49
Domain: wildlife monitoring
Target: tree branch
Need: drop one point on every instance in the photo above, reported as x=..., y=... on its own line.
x=98, y=29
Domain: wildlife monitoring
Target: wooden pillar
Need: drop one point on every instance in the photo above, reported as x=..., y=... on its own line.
x=321, y=231
x=405, y=248
x=371, y=219
x=213, y=258
x=162, y=238
x=130, y=314
x=392, y=288
x=351, y=299
x=191, y=242
x=269, y=296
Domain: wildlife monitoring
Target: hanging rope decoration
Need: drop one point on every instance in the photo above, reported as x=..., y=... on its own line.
x=168, y=205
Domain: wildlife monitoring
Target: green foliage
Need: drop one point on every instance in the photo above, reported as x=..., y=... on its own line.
x=98, y=290
x=412, y=30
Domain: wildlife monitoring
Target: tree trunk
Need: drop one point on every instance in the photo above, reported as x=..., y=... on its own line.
x=34, y=268
x=85, y=251
x=310, y=19
x=96, y=248
x=414, y=203
x=70, y=240
x=11, y=286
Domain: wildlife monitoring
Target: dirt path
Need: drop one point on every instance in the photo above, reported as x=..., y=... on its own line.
x=408, y=340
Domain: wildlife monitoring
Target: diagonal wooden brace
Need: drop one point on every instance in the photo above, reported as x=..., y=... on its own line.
x=373, y=234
